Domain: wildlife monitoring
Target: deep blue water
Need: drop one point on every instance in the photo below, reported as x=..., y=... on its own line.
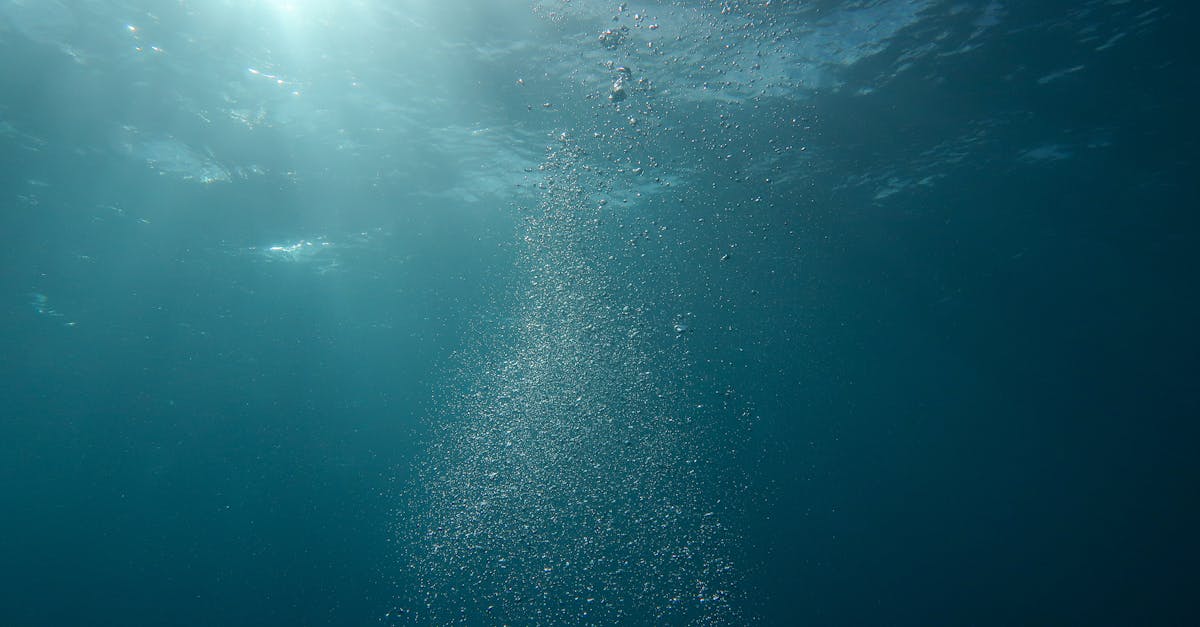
x=816, y=313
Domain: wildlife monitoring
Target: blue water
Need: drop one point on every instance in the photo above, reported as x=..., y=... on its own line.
x=566, y=312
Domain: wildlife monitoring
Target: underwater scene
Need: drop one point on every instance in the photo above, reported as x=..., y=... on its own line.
x=595, y=312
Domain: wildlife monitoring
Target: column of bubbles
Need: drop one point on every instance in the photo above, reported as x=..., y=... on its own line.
x=570, y=478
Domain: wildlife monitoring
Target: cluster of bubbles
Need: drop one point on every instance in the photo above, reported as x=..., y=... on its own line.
x=571, y=477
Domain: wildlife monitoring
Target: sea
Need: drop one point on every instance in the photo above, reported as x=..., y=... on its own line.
x=594, y=312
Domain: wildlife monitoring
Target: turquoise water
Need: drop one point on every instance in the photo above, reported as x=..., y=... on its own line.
x=564, y=312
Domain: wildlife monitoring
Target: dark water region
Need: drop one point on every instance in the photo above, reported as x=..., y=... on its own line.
x=549, y=312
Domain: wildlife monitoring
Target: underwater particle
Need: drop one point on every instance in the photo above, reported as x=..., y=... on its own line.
x=619, y=90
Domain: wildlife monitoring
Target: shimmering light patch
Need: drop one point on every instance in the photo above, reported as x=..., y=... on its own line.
x=41, y=305
x=319, y=254
x=172, y=157
x=139, y=43
x=298, y=251
x=254, y=72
